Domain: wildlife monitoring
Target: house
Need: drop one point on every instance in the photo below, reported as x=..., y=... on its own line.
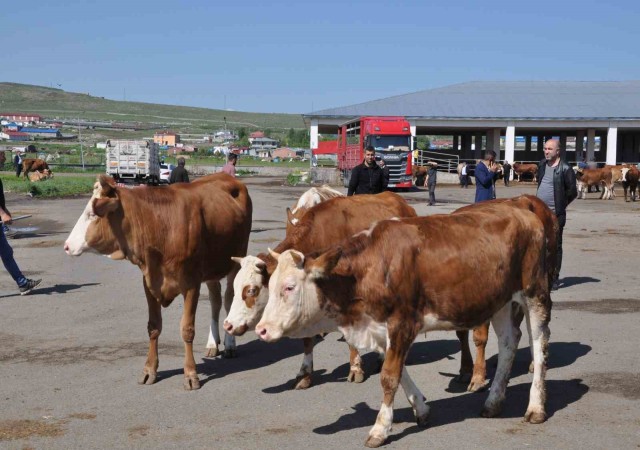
x=11, y=126
x=14, y=136
x=284, y=153
x=263, y=147
x=21, y=117
x=166, y=138
x=255, y=135
x=43, y=133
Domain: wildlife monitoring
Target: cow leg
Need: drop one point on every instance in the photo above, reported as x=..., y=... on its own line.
x=229, y=340
x=508, y=338
x=479, y=378
x=215, y=299
x=538, y=321
x=188, y=330
x=356, y=374
x=303, y=378
x=154, y=328
x=466, y=361
x=416, y=398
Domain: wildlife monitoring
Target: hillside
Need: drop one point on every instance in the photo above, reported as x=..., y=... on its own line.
x=52, y=103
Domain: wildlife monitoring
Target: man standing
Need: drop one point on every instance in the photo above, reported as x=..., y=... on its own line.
x=486, y=172
x=464, y=176
x=506, y=172
x=25, y=285
x=366, y=178
x=17, y=162
x=432, y=178
x=179, y=174
x=385, y=174
x=230, y=166
x=557, y=188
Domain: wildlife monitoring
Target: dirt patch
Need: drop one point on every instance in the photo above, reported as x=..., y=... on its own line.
x=82, y=416
x=604, y=306
x=621, y=384
x=45, y=244
x=139, y=431
x=21, y=429
x=265, y=240
x=276, y=430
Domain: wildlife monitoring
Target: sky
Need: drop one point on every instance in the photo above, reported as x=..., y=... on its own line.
x=300, y=56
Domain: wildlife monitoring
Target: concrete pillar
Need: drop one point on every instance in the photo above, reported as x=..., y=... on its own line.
x=636, y=147
x=579, y=144
x=466, y=145
x=510, y=143
x=477, y=154
x=313, y=134
x=591, y=143
x=493, y=140
x=455, y=142
x=612, y=144
x=527, y=144
x=412, y=128
x=540, y=147
x=563, y=145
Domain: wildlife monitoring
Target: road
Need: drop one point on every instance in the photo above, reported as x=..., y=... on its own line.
x=72, y=351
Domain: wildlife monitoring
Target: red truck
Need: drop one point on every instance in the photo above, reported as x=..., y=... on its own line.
x=391, y=138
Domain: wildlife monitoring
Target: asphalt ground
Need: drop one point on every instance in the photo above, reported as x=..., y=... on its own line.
x=71, y=352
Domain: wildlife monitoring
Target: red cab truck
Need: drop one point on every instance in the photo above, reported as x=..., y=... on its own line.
x=391, y=138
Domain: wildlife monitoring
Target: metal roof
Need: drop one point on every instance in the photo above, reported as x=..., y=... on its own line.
x=507, y=100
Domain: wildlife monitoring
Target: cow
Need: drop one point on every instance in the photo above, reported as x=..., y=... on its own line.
x=520, y=169
x=3, y=160
x=383, y=287
x=179, y=236
x=618, y=174
x=594, y=177
x=310, y=198
x=630, y=183
x=322, y=226
x=34, y=164
x=478, y=371
x=419, y=175
x=40, y=176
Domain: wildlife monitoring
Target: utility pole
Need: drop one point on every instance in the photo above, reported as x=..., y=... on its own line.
x=80, y=139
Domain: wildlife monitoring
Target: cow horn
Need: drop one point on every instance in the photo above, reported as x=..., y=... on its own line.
x=237, y=259
x=273, y=254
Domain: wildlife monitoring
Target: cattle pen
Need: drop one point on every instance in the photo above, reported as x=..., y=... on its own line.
x=72, y=350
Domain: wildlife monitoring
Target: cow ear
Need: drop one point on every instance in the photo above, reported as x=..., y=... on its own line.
x=298, y=259
x=103, y=206
x=290, y=216
x=324, y=264
x=260, y=267
x=107, y=186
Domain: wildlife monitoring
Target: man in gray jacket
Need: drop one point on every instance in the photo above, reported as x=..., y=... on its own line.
x=557, y=188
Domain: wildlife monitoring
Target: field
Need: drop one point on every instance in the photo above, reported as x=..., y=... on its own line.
x=72, y=350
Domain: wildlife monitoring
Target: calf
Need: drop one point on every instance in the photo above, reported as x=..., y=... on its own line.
x=520, y=169
x=322, y=226
x=34, y=164
x=630, y=183
x=179, y=236
x=381, y=289
x=595, y=177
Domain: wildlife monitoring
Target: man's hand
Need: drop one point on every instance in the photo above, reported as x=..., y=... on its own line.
x=5, y=217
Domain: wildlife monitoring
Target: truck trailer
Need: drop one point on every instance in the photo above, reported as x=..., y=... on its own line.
x=134, y=161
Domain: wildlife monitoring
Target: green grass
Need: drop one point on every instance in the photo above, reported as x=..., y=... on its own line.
x=52, y=188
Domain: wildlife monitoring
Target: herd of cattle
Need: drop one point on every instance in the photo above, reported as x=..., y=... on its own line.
x=366, y=266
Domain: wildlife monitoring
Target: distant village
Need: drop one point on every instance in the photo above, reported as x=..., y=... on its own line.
x=17, y=129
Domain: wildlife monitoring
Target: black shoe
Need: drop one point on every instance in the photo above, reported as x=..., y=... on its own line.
x=28, y=286
x=555, y=286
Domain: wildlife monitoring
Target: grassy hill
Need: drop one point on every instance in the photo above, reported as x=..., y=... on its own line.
x=52, y=103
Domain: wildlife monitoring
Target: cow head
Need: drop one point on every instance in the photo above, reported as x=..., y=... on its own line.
x=92, y=231
x=251, y=295
x=294, y=308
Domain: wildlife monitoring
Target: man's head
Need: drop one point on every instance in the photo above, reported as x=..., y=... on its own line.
x=551, y=150
x=232, y=158
x=490, y=155
x=181, y=161
x=369, y=156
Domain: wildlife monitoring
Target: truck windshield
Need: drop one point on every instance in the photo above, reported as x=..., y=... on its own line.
x=383, y=142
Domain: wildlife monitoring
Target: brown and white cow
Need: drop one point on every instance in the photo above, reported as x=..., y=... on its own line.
x=586, y=178
x=310, y=198
x=322, y=226
x=40, y=176
x=179, y=236
x=520, y=169
x=33, y=165
x=383, y=287
x=630, y=183
x=478, y=371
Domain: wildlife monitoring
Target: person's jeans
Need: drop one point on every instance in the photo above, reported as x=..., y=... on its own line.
x=562, y=220
x=6, y=252
x=432, y=193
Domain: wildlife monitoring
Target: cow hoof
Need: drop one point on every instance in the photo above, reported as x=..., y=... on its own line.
x=491, y=412
x=147, y=378
x=303, y=382
x=531, y=367
x=477, y=385
x=355, y=376
x=422, y=421
x=212, y=352
x=191, y=383
x=374, y=442
x=463, y=378
x=535, y=417
x=229, y=353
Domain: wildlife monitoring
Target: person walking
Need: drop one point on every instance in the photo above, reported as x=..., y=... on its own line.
x=179, y=174
x=17, y=163
x=366, y=178
x=432, y=178
x=486, y=173
x=464, y=176
x=230, y=166
x=557, y=188
x=506, y=172
x=25, y=285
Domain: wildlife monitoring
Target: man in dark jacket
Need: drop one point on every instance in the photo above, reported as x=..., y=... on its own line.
x=368, y=177
x=385, y=174
x=432, y=178
x=557, y=188
x=179, y=174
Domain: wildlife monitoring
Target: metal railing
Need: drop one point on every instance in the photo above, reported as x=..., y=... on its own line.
x=446, y=162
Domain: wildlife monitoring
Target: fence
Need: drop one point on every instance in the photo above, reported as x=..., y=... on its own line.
x=446, y=162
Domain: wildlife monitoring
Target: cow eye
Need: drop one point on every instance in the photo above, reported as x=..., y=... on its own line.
x=253, y=292
x=289, y=288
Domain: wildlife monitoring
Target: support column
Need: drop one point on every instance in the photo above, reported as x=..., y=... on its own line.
x=579, y=144
x=493, y=140
x=540, y=146
x=527, y=144
x=477, y=154
x=455, y=142
x=466, y=145
x=510, y=142
x=612, y=144
x=313, y=134
x=591, y=143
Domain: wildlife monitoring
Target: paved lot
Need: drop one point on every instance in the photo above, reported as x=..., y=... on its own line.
x=71, y=352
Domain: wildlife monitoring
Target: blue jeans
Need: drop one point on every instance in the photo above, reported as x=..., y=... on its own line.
x=6, y=252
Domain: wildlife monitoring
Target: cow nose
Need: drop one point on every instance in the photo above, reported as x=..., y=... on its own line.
x=66, y=247
x=227, y=327
x=262, y=332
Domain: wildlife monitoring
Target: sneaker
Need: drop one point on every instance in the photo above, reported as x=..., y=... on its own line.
x=28, y=286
